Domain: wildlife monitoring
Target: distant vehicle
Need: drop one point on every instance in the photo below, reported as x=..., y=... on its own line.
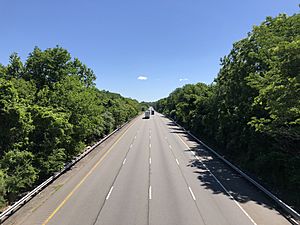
x=151, y=110
x=147, y=114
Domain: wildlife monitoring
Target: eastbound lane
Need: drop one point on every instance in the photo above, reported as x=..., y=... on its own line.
x=172, y=201
x=224, y=196
x=153, y=173
x=211, y=208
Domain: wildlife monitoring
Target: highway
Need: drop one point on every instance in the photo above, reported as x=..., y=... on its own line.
x=151, y=172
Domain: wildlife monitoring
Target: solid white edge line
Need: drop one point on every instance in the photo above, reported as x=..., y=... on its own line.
x=124, y=161
x=177, y=161
x=183, y=141
x=150, y=193
x=107, y=197
x=231, y=197
x=192, y=193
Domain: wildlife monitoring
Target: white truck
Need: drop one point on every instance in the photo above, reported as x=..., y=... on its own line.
x=147, y=114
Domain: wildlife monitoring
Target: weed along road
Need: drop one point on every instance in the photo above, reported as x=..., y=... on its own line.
x=151, y=172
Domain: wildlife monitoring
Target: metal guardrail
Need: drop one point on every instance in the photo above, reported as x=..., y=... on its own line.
x=295, y=215
x=17, y=205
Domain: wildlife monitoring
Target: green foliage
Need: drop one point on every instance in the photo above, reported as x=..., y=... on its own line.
x=52, y=132
x=47, y=67
x=15, y=121
x=54, y=162
x=50, y=110
x=279, y=86
x=252, y=110
x=2, y=189
x=53, y=65
x=15, y=69
x=20, y=173
x=145, y=105
x=85, y=74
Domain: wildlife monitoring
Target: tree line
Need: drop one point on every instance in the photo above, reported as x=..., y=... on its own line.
x=251, y=112
x=50, y=110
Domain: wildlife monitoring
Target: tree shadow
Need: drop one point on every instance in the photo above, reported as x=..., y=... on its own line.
x=211, y=170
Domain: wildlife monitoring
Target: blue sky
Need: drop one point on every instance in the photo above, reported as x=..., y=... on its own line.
x=171, y=42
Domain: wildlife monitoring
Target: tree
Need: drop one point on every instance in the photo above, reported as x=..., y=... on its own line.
x=47, y=67
x=85, y=74
x=252, y=110
x=2, y=189
x=278, y=41
x=15, y=69
x=50, y=110
x=15, y=121
x=50, y=139
x=20, y=174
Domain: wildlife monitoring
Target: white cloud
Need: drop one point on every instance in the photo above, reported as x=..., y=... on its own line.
x=183, y=79
x=142, y=78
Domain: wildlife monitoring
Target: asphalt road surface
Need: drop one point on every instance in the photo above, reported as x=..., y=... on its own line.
x=153, y=173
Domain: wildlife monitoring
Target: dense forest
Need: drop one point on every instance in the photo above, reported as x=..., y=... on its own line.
x=50, y=110
x=251, y=112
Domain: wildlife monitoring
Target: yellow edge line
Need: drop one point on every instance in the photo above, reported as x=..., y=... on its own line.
x=84, y=178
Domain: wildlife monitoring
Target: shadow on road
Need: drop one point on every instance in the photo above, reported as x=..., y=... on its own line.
x=239, y=188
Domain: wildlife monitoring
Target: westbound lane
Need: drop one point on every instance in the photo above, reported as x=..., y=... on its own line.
x=154, y=174
x=85, y=206
x=128, y=201
x=78, y=199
